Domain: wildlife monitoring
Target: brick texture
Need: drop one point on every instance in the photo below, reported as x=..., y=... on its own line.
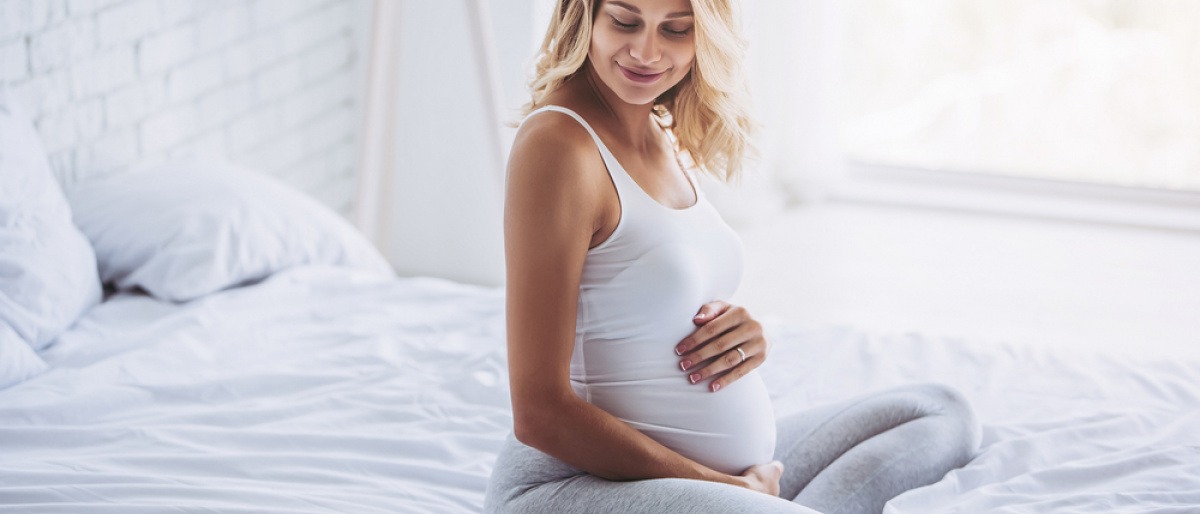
x=116, y=84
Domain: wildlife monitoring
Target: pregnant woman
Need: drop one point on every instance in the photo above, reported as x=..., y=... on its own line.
x=634, y=384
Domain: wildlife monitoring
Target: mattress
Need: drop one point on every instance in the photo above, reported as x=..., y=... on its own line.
x=324, y=389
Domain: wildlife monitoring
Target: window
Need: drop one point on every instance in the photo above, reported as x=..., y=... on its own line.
x=1094, y=91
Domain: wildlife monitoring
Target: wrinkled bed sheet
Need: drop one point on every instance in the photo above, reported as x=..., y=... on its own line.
x=332, y=390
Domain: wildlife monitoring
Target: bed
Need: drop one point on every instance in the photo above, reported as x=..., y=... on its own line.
x=249, y=353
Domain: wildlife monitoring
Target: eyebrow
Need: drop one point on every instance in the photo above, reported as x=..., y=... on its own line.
x=635, y=10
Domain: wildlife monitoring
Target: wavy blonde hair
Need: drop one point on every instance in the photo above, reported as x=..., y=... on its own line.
x=708, y=111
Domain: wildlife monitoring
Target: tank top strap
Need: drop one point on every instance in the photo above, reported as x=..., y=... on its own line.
x=620, y=177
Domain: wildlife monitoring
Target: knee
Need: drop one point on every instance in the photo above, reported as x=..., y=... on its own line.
x=951, y=406
x=941, y=398
x=519, y=500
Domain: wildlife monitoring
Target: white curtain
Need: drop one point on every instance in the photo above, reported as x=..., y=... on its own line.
x=793, y=64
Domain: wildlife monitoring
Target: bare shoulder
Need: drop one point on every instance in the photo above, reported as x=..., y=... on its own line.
x=555, y=156
x=554, y=135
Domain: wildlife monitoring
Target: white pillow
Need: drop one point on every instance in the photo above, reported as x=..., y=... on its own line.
x=184, y=230
x=47, y=270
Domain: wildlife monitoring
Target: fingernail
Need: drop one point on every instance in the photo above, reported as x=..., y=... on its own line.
x=716, y=387
x=685, y=365
x=679, y=349
x=694, y=377
x=700, y=316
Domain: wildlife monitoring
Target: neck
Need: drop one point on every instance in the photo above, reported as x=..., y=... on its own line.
x=632, y=121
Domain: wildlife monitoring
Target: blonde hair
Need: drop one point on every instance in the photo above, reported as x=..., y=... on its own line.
x=709, y=110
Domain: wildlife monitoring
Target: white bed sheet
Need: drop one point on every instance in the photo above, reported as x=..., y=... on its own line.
x=331, y=390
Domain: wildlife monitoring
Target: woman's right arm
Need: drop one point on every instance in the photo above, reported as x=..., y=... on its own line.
x=551, y=211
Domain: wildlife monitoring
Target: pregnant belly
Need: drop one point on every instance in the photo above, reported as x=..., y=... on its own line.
x=728, y=431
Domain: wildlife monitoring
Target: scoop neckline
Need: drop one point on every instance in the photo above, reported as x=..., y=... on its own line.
x=678, y=165
x=604, y=146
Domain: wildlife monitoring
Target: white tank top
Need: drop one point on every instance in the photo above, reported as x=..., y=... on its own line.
x=638, y=293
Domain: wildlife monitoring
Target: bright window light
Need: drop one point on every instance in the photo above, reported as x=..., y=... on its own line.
x=1100, y=91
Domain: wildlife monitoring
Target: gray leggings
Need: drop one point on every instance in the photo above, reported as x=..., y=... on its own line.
x=851, y=456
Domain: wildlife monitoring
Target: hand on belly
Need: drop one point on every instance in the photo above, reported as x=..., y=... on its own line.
x=727, y=345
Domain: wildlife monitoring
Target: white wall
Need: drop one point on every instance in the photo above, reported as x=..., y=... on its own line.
x=113, y=84
x=443, y=212
x=794, y=70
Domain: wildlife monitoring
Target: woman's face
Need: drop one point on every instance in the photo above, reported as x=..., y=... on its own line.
x=642, y=48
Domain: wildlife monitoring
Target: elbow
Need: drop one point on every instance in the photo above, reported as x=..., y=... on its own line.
x=534, y=424
x=530, y=427
x=525, y=432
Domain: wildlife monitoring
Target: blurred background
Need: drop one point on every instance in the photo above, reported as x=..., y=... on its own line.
x=1019, y=170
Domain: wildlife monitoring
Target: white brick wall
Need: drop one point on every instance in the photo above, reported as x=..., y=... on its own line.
x=114, y=84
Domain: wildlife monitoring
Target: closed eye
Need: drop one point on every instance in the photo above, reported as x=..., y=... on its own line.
x=620, y=24
x=633, y=26
x=677, y=33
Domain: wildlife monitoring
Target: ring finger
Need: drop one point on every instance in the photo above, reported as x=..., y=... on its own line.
x=727, y=341
x=733, y=340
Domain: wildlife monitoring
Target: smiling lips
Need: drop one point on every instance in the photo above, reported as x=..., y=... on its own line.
x=641, y=78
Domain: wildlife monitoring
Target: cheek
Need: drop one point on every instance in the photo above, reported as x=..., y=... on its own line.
x=603, y=43
x=687, y=62
x=683, y=53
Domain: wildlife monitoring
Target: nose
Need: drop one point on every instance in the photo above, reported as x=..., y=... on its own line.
x=645, y=49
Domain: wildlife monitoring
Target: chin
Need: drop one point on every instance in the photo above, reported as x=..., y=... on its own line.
x=639, y=95
x=637, y=98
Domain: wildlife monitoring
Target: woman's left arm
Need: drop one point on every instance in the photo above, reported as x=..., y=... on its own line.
x=724, y=329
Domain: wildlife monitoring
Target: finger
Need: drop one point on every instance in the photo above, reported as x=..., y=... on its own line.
x=714, y=328
x=719, y=363
x=710, y=311
x=751, y=346
x=713, y=367
x=741, y=333
x=776, y=467
x=756, y=346
x=733, y=375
